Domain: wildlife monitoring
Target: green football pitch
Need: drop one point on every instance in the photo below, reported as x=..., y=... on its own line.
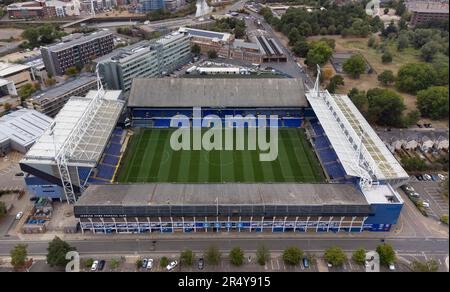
x=150, y=158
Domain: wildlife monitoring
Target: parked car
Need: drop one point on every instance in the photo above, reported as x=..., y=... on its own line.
x=426, y=204
x=19, y=174
x=150, y=264
x=305, y=263
x=144, y=263
x=427, y=177
x=414, y=194
x=419, y=125
x=329, y=265
x=391, y=267
x=19, y=215
x=407, y=189
x=171, y=266
x=94, y=266
x=101, y=265
x=201, y=264
x=419, y=177
x=441, y=176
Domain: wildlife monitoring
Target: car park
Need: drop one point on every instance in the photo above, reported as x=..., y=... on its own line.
x=171, y=266
x=94, y=266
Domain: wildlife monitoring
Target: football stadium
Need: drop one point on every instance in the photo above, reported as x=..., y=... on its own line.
x=332, y=173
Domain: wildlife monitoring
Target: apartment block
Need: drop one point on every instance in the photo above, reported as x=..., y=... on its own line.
x=76, y=50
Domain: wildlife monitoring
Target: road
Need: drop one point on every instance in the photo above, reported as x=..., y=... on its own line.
x=436, y=246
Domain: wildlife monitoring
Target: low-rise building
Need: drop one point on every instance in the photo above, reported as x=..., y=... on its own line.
x=51, y=100
x=17, y=73
x=20, y=129
x=210, y=40
x=7, y=88
x=30, y=9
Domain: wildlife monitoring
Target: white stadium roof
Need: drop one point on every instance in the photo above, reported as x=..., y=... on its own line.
x=93, y=143
x=343, y=124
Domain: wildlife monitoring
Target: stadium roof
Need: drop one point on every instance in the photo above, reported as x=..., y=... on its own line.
x=343, y=124
x=224, y=194
x=23, y=126
x=89, y=150
x=212, y=92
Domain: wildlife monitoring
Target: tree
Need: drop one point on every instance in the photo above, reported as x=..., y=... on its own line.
x=433, y=102
x=386, y=57
x=2, y=209
x=359, y=99
x=212, y=255
x=402, y=42
x=195, y=49
x=89, y=262
x=56, y=252
x=236, y=256
x=6, y=106
x=386, y=10
x=292, y=255
x=385, y=107
x=262, y=255
x=335, y=82
x=113, y=264
x=19, y=256
x=71, y=71
x=414, y=77
x=294, y=36
x=354, y=66
x=386, y=77
x=301, y=48
x=359, y=256
x=413, y=163
x=386, y=253
x=429, y=50
x=371, y=42
x=427, y=267
x=335, y=256
x=212, y=54
x=26, y=91
x=187, y=257
x=239, y=31
x=163, y=262
x=318, y=54
x=411, y=118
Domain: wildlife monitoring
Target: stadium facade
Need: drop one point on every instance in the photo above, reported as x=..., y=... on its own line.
x=78, y=158
x=361, y=173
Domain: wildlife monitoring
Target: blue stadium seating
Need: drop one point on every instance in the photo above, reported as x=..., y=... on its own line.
x=292, y=123
x=109, y=159
x=105, y=172
x=113, y=149
x=162, y=123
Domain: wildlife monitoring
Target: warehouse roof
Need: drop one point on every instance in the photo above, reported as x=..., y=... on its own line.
x=24, y=126
x=212, y=92
x=224, y=194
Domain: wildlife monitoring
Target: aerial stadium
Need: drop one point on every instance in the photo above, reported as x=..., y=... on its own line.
x=332, y=172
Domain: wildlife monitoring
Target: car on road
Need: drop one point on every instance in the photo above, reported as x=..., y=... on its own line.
x=305, y=263
x=329, y=265
x=101, y=265
x=19, y=174
x=172, y=265
x=19, y=215
x=94, y=266
x=201, y=264
x=150, y=264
